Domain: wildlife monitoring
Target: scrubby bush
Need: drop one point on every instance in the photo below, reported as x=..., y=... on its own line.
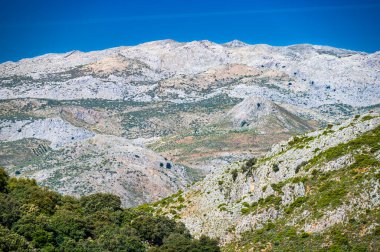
x=275, y=167
x=249, y=165
x=234, y=174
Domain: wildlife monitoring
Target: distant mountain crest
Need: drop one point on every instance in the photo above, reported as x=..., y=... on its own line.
x=235, y=43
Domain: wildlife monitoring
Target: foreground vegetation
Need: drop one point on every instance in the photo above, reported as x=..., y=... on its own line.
x=33, y=218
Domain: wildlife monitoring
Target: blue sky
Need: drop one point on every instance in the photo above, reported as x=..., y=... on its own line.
x=30, y=28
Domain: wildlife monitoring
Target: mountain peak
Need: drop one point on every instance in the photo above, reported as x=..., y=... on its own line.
x=235, y=43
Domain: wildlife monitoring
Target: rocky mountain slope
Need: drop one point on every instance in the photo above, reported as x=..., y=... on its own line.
x=167, y=70
x=75, y=161
x=200, y=105
x=315, y=190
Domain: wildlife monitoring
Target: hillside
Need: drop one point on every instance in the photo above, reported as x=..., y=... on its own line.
x=317, y=191
x=33, y=218
x=145, y=121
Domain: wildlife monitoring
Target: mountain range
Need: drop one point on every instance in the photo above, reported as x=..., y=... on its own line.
x=146, y=121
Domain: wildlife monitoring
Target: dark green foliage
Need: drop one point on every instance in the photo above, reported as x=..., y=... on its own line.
x=9, y=210
x=302, y=164
x=155, y=229
x=275, y=167
x=3, y=179
x=35, y=228
x=10, y=241
x=234, y=174
x=100, y=201
x=33, y=218
x=68, y=224
x=180, y=243
x=26, y=191
x=249, y=165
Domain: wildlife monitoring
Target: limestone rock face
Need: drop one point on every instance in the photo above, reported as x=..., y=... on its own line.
x=54, y=130
x=311, y=182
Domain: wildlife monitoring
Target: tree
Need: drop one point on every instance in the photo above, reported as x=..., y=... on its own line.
x=121, y=240
x=67, y=224
x=155, y=229
x=33, y=218
x=100, y=201
x=26, y=191
x=3, y=179
x=9, y=210
x=181, y=243
x=34, y=227
x=177, y=243
x=10, y=241
x=206, y=244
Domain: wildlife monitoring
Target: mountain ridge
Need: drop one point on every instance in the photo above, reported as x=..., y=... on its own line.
x=239, y=42
x=189, y=103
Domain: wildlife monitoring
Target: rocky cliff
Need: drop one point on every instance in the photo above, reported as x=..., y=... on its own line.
x=311, y=190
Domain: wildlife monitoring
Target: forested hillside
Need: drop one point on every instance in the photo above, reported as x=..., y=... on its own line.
x=33, y=218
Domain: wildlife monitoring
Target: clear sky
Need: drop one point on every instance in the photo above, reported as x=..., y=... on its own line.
x=33, y=27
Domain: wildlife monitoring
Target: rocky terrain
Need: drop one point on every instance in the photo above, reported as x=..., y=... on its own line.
x=313, y=191
x=77, y=162
x=112, y=120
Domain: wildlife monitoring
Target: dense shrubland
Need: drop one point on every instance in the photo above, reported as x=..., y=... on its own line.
x=33, y=218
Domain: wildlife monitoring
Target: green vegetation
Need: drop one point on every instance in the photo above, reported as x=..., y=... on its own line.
x=222, y=207
x=270, y=201
x=297, y=203
x=368, y=141
x=324, y=192
x=146, y=118
x=367, y=117
x=300, y=142
x=234, y=174
x=275, y=167
x=302, y=164
x=278, y=236
x=33, y=218
x=249, y=166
